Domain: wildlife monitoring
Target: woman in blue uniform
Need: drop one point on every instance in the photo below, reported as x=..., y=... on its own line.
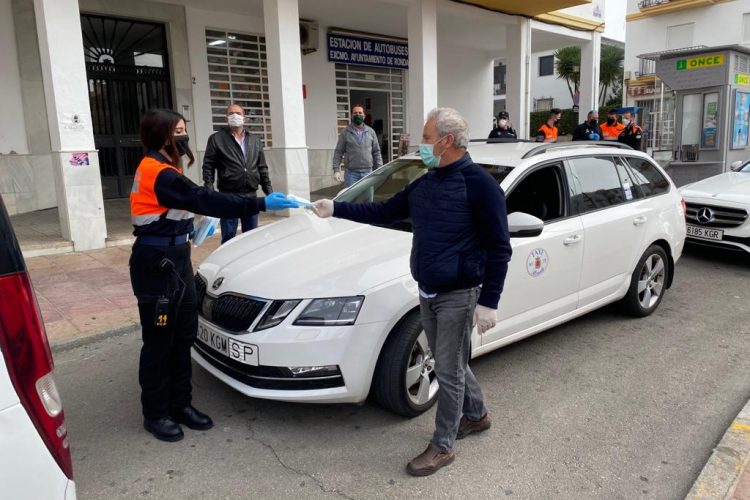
x=162, y=203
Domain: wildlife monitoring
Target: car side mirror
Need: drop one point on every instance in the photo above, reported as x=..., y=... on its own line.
x=736, y=165
x=523, y=225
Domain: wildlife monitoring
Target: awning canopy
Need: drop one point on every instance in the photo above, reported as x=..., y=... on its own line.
x=529, y=9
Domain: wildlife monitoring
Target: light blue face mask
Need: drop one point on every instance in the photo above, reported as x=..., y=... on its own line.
x=428, y=157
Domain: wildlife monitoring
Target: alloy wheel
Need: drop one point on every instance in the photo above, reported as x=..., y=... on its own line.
x=421, y=382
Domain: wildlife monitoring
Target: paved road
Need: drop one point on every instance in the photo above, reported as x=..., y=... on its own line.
x=603, y=407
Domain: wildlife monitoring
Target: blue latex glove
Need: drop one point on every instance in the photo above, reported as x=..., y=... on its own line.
x=279, y=201
x=594, y=136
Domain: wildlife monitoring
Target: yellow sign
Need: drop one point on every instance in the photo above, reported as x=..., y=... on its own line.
x=742, y=79
x=700, y=62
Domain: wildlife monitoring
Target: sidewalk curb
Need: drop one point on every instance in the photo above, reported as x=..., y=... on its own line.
x=729, y=459
x=89, y=339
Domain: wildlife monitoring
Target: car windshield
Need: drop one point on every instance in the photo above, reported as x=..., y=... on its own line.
x=745, y=168
x=389, y=179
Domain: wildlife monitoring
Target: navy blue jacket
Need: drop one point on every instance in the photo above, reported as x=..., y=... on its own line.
x=460, y=228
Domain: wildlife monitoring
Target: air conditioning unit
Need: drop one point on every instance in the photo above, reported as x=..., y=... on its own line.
x=627, y=75
x=308, y=36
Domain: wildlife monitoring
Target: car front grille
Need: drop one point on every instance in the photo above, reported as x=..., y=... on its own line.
x=200, y=287
x=234, y=313
x=715, y=216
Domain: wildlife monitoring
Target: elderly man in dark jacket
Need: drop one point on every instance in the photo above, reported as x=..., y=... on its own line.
x=459, y=259
x=237, y=156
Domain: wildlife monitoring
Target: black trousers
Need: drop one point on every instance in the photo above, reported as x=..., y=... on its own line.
x=165, y=368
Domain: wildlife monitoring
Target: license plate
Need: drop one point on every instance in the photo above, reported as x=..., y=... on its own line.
x=234, y=349
x=705, y=233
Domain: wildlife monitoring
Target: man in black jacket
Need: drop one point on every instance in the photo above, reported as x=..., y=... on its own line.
x=459, y=259
x=237, y=156
x=589, y=130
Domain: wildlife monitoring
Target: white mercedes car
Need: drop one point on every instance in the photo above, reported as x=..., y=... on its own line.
x=325, y=310
x=718, y=208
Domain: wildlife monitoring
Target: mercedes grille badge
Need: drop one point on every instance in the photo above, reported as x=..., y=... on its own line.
x=705, y=215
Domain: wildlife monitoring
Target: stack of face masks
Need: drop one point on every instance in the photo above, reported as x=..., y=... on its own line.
x=206, y=228
x=301, y=201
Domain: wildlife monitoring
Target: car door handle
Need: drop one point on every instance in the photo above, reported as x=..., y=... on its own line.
x=639, y=221
x=572, y=240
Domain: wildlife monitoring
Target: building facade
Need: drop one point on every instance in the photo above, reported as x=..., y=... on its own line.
x=77, y=75
x=655, y=28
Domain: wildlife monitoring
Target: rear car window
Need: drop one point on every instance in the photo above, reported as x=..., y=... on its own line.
x=11, y=260
x=596, y=184
x=647, y=177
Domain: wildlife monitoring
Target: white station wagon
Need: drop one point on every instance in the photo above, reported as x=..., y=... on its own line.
x=325, y=310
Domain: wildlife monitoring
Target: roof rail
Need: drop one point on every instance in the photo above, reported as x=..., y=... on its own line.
x=543, y=148
x=500, y=140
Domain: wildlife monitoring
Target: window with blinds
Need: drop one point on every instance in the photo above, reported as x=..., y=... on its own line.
x=237, y=72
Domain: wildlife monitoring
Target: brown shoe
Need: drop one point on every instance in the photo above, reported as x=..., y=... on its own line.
x=430, y=461
x=467, y=426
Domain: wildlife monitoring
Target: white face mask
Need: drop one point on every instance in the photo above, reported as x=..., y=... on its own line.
x=625, y=122
x=235, y=120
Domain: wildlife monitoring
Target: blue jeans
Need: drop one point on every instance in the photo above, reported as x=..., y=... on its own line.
x=229, y=226
x=447, y=320
x=352, y=176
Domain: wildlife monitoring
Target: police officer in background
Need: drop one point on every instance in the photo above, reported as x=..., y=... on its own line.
x=548, y=131
x=632, y=134
x=161, y=204
x=504, y=130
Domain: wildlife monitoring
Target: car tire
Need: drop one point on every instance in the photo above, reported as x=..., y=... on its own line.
x=406, y=354
x=648, y=283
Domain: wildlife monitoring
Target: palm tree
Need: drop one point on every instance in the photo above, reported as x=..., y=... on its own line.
x=568, y=68
x=610, y=70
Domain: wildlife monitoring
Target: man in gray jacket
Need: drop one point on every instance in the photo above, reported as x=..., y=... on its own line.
x=358, y=145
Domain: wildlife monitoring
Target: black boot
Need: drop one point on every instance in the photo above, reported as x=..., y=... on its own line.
x=163, y=429
x=193, y=418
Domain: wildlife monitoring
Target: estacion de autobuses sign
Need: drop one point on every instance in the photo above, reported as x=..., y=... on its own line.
x=350, y=49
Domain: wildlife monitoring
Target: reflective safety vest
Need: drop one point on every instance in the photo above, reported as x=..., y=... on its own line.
x=611, y=132
x=144, y=205
x=550, y=133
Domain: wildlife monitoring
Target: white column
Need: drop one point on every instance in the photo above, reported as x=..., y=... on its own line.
x=287, y=159
x=589, y=86
x=518, y=59
x=74, y=157
x=423, y=77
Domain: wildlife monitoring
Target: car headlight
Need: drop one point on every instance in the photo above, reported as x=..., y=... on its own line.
x=276, y=313
x=337, y=311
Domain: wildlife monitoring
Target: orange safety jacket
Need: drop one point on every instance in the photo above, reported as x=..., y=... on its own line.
x=550, y=133
x=611, y=132
x=147, y=214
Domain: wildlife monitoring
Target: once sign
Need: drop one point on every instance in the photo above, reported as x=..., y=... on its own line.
x=700, y=62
